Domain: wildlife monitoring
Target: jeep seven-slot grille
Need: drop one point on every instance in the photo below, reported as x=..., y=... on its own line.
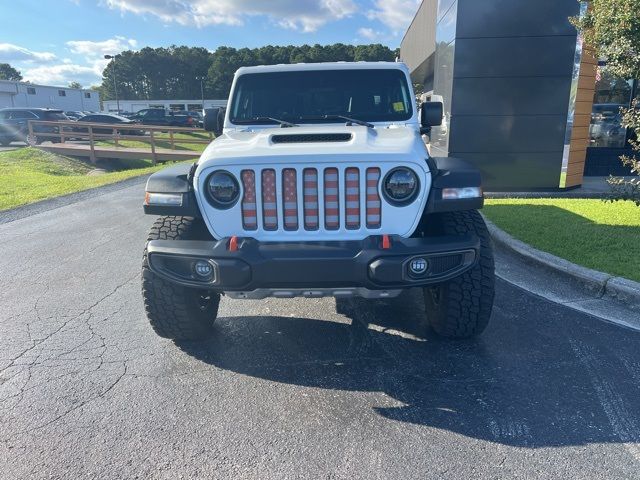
x=311, y=199
x=311, y=138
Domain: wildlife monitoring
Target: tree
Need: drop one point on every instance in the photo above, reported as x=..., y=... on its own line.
x=165, y=73
x=226, y=60
x=612, y=28
x=7, y=72
x=75, y=85
x=156, y=73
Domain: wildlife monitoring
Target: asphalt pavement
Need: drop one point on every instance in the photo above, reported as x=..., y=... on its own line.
x=305, y=388
x=12, y=146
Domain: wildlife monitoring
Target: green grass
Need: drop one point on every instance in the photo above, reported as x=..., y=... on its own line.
x=28, y=175
x=600, y=235
x=163, y=140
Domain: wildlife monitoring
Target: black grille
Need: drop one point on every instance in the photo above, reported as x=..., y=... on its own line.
x=440, y=265
x=311, y=138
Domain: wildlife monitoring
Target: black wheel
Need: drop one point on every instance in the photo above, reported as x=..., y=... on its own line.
x=461, y=307
x=177, y=312
x=5, y=142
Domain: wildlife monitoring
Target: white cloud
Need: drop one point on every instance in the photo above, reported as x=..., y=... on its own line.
x=10, y=52
x=396, y=14
x=87, y=73
x=62, y=74
x=304, y=15
x=369, y=34
x=110, y=46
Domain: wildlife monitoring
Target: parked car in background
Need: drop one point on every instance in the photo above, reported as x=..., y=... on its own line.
x=162, y=117
x=606, y=128
x=14, y=124
x=74, y=115
x=116, y=120
x=198, y=118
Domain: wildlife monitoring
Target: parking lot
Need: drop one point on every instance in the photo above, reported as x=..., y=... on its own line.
x=289, y=388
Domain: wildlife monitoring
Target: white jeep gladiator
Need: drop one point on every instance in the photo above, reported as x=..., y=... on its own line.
x=318, y=184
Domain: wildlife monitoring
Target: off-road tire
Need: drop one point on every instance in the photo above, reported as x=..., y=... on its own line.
x=461, y=307
x=174, y=311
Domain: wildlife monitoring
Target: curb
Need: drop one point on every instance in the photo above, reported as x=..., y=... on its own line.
x=568, y=194
x=595, y=283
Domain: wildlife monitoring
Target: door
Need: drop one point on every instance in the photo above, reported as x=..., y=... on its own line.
x=19, y=122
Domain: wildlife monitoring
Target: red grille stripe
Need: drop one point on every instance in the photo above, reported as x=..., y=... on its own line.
x=249, y=215
x=374, y=210
x=269, y=208
x=352, y=198
x=331, y=199
x=310, y=182
x=290, y=199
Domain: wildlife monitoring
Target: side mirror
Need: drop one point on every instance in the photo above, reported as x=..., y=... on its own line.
x=431, y=114
x=214, y=120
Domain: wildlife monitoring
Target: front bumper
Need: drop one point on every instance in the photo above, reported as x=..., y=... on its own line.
x=320, y=266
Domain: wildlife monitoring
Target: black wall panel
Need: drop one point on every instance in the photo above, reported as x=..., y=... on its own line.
x=509, y=96
x=511, y=86
x=508, y=134
x=515, y=18
x=515, y=57
x=516, y=171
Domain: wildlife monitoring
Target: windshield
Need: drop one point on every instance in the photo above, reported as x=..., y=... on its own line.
x=374, y=95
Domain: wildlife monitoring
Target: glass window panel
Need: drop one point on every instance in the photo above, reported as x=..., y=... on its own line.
x=610, y=96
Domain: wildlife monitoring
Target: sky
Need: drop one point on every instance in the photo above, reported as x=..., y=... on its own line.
x=55, y=42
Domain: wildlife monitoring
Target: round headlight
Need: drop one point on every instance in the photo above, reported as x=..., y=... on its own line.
x=223, y=189
x=400, y=185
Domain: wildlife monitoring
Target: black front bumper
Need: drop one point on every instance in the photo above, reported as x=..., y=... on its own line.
x=259, y=265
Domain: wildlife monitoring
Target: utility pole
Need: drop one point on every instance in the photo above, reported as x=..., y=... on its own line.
x=201, y=90
x=115, y=81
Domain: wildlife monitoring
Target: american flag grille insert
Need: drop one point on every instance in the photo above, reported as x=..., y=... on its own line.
x=352, y=198
x=269, y=207
x=248, y=204
x=311, y=199
x=290, y=199
x=374, y=206
x=331, y=199
x=310, y=182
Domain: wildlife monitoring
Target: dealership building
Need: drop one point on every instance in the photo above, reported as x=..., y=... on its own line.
x=23, y=94
x=523, y=100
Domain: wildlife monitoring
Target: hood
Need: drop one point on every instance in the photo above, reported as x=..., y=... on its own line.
x=398, y=141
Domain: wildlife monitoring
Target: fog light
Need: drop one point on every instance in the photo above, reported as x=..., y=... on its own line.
x=418, y=266
x=203, y=269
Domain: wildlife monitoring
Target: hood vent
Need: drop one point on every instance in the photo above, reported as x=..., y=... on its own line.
x=311, y=138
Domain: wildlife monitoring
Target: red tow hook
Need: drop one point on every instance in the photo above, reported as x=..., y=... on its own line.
x=386, y=242
x=233, y=244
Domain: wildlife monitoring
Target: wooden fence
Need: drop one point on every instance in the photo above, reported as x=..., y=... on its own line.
x=64, y=134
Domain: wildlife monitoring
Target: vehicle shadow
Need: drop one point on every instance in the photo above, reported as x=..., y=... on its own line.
x=515, y=385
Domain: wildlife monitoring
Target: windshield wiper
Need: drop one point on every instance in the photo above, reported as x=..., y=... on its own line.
x=337, y=117
x=283, y=123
